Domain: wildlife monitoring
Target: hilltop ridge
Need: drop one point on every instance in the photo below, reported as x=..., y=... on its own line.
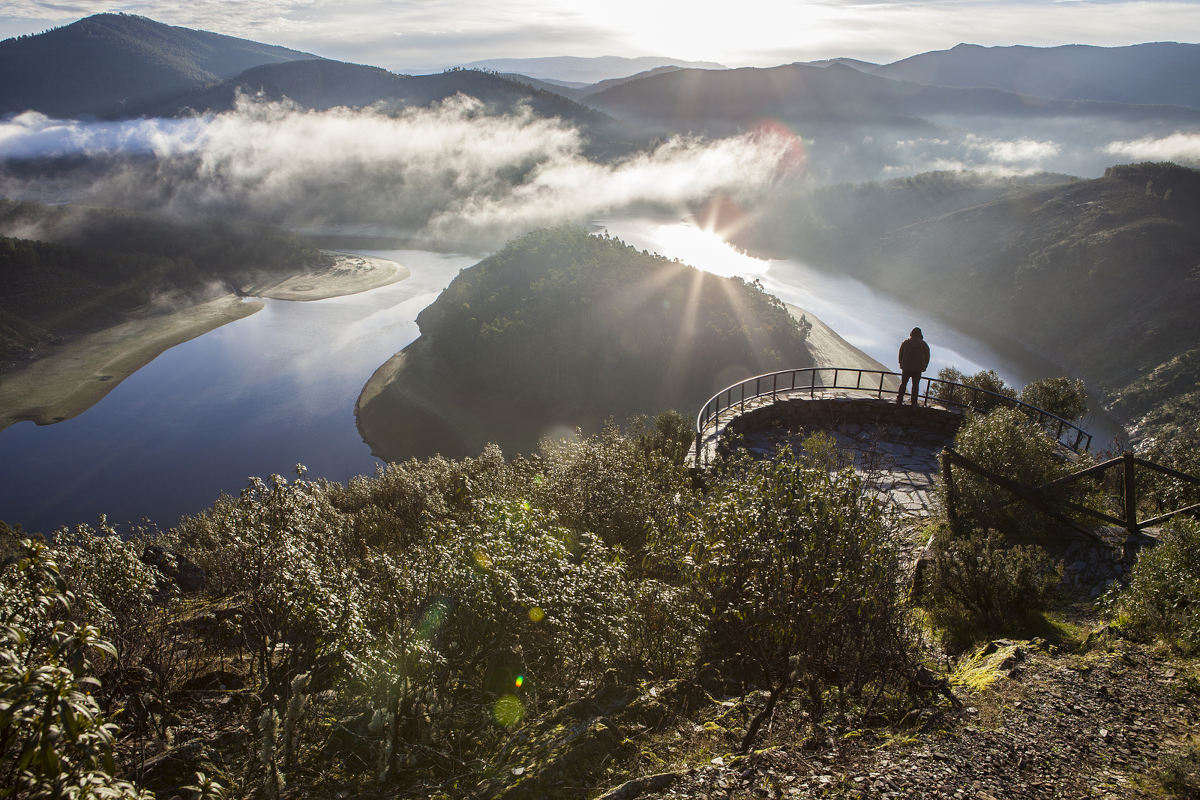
x=105, y=64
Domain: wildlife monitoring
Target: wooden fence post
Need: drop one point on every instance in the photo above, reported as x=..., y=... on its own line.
x=951, y=494
x=1130, y=492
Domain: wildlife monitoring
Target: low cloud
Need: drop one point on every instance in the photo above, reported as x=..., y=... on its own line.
x=452, y=172
x=1027, y=151
x=1180, y=146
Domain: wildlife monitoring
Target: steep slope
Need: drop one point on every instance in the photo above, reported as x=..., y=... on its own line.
x=105, y=64
x=1158, y=72
x=562, y=329
x=1101, y=276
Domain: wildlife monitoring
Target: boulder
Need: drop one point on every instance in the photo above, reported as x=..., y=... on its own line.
x=176, y=568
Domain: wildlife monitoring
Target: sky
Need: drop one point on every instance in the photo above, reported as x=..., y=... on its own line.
x=415, y=35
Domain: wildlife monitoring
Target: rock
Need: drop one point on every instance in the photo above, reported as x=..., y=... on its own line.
x=174, y=567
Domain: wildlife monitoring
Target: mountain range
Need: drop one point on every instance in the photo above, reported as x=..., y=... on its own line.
x=120, y=66
x=1161, y=73
x=577, y=72
x=108, y=64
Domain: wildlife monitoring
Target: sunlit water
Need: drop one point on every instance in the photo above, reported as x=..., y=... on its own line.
x=278, y=388
x=254, y=397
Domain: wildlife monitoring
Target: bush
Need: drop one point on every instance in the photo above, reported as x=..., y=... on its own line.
x=1163, y=492
x=114, y=589
x=976, y=586
x=55, y=743
x=987, y=380
x=1004, y=442
x=800, y=578
x=619, y=486
x=1063, y=397
x=1163, y=598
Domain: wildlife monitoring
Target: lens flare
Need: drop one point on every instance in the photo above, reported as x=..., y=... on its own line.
x=519, y=681
x=536, y=614
x=508, y=710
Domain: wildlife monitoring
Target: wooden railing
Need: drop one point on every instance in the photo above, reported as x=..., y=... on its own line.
x=1047, y=498
x=733, y=399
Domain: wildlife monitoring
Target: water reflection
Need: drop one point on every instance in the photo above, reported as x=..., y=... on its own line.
x=278, y=388
x=254, y=397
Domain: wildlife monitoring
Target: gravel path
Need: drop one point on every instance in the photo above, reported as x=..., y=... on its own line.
x=1053, y=725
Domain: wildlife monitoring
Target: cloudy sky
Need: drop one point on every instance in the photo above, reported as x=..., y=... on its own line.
x=430, y=34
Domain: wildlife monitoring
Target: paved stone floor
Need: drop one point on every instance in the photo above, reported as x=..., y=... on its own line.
x=901, y=461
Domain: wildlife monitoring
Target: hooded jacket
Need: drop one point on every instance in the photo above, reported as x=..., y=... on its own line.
x=914, y=353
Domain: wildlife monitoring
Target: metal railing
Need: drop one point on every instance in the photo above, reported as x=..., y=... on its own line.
x=792, y=383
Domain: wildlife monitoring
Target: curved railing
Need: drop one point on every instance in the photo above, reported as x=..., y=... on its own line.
x=947, y=394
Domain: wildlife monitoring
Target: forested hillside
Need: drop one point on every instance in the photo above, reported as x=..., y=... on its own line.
x=563, y=328
x=322, y=84
x=1099, y=276
x=70, y=270
x=108, y=64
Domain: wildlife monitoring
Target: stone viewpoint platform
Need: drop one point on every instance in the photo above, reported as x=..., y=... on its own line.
x=896, y=445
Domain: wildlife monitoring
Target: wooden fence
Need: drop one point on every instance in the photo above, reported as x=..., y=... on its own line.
x=1046, y=497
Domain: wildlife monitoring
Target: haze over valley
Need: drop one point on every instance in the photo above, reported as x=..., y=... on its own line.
x=354, y=362
x=188, y=134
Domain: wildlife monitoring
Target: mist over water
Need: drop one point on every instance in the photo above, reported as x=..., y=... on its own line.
x=278, y=388
x=448, y=173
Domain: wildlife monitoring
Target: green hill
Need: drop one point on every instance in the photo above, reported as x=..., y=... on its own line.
x=565, y=329
x=106, y=64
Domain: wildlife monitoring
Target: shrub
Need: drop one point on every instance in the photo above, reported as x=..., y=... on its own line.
x=1163, y=598
x=976, y=585
x=618, y=486
x=1163, y=492
x=1004, y=442
x=800, y=578
x=54, y=742
x=1063, y=397
x=113, y=587
x=987, y=380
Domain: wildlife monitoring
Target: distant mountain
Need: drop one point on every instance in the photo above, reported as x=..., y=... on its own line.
x=322, y=84
x=861, y=66
x=1153, y=73
x=104, y=64
x=569, y=89
x=611, y=82
x=716, y=101
x=585, y=70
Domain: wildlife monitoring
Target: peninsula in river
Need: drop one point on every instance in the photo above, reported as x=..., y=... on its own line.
x=562, y=329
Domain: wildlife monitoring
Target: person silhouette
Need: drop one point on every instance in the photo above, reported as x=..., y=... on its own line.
x=914, y=358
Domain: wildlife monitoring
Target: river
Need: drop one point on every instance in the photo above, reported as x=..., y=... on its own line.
x=275, y=389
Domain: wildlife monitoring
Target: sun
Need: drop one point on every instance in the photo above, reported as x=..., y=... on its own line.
x=705, y=249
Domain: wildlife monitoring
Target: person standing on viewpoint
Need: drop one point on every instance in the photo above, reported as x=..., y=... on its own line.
x=914, y=358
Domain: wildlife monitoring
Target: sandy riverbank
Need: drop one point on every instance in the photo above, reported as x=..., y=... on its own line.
x=350, y=274
x=829, y=349
x=74, y=376
x=77, y=375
